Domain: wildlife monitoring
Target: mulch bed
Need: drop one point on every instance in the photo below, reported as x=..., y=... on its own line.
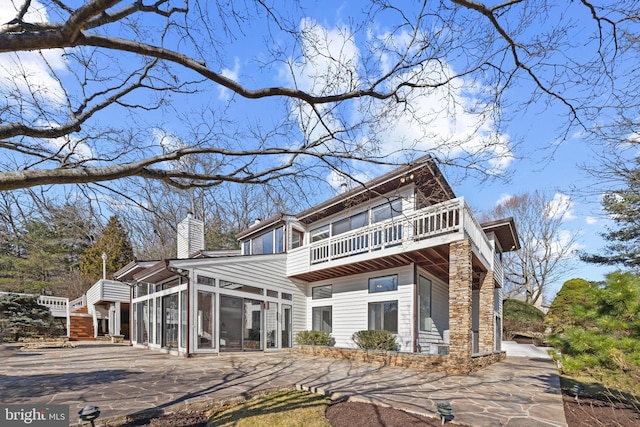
x=586, y=412
x=591, y=412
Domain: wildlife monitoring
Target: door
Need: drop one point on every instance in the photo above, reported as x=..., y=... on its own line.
x=240, y=324
x=204, y=321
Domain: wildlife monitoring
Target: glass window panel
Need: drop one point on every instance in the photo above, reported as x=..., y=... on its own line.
x=321, y=318
x=267, y=242
x=386, y=210
x=383, y=315
x=279, y=243
x=273, y=294
x=296, y=239
x=286, y=296
x=340, y=227
x=424, y=296
x=204, y=280
x=320, y=292
x=271, y=324
x=246, y=247
x=183, y=319
x=360, y=220
x=205, y=319
x=287, y=331
x=320, y=233
x=383, y=284
x=158, y=321
x=256, y=246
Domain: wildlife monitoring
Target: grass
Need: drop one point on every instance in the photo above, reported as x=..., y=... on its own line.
x=285, y=408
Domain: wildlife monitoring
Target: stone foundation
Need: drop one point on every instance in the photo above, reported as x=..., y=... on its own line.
x=450, y=365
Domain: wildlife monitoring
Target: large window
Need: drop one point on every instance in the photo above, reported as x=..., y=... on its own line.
x=387, y=210
x=321, y=318
x=383, y=284
x=424, y=304
x=296, y=239
x=320, y=292
x=320, y=233
x=354, y=222
x=383, y=315
x=204, y=280
x=268, y=243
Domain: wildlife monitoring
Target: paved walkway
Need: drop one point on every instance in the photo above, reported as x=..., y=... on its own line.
x=124, y=380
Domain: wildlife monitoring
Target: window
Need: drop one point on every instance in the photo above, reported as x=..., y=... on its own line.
x=383, y=284
x=320, y=292
x=286, y=296
x=279, y=243
x=387, y=210
x=246, y=247
x=383, y=315
x=204, y=280
x=273, y=294
x=424, y=304
x=320, y=233
x=321, y=318
x=354, y=222
x=296, y=239
x=238, y=287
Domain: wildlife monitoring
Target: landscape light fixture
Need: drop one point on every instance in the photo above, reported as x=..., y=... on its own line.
x=104, y=266
x=89, y=413
x=445, y=410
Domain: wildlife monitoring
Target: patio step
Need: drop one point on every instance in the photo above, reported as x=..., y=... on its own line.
x=81, y=328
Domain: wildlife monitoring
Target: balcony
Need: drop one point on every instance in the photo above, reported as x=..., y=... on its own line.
x=391, y=243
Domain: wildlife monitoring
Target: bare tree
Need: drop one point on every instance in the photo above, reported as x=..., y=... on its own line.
x=548, y=249
x=330, y=96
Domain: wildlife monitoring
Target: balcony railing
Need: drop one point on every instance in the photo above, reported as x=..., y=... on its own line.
x=448, y=217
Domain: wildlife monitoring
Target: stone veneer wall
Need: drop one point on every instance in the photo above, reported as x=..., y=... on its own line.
x=460, y=281
x=487, y=321
x=450, y=365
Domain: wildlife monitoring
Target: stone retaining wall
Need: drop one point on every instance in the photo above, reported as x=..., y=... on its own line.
x=449, y=365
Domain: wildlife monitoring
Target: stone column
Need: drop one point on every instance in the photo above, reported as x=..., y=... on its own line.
x=460, y=280
x=487, y=325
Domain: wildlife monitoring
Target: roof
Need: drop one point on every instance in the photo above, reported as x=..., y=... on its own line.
x=423, y=172
x=126, y=273
x=505, y=231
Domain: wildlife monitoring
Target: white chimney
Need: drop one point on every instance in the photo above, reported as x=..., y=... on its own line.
x=190, y=236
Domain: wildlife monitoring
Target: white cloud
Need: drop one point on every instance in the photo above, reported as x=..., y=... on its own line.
x=30, y=72
x=561, y=206
x=224, y=93
x=504, y=198
x=448, y=121
x=591, y=220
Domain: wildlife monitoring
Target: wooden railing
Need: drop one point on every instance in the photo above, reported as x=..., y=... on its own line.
x=447, y=217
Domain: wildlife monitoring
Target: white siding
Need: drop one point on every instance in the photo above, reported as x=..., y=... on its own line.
x=190, y=237
x=109, y=291
x=350, y=303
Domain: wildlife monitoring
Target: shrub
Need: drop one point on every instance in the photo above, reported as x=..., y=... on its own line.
x=314, y=338
x=521, y=318
x=375, y=340
x=22, y=316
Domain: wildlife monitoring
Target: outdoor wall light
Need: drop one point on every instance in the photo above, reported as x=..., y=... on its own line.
x=445, y=410
x=89, y=413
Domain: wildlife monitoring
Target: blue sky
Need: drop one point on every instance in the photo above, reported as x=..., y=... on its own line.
x=533, y=148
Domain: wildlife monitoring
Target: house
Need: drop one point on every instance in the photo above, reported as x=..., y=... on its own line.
x=400, y=253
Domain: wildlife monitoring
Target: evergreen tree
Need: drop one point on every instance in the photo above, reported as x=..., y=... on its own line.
x=574, y=305
x=22, y=316
x=114, y=242
x=623, y=207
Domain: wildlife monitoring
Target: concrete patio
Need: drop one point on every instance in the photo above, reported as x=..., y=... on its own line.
x=123, y=380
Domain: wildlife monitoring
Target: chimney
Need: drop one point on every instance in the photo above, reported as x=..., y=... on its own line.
x=190, y=236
